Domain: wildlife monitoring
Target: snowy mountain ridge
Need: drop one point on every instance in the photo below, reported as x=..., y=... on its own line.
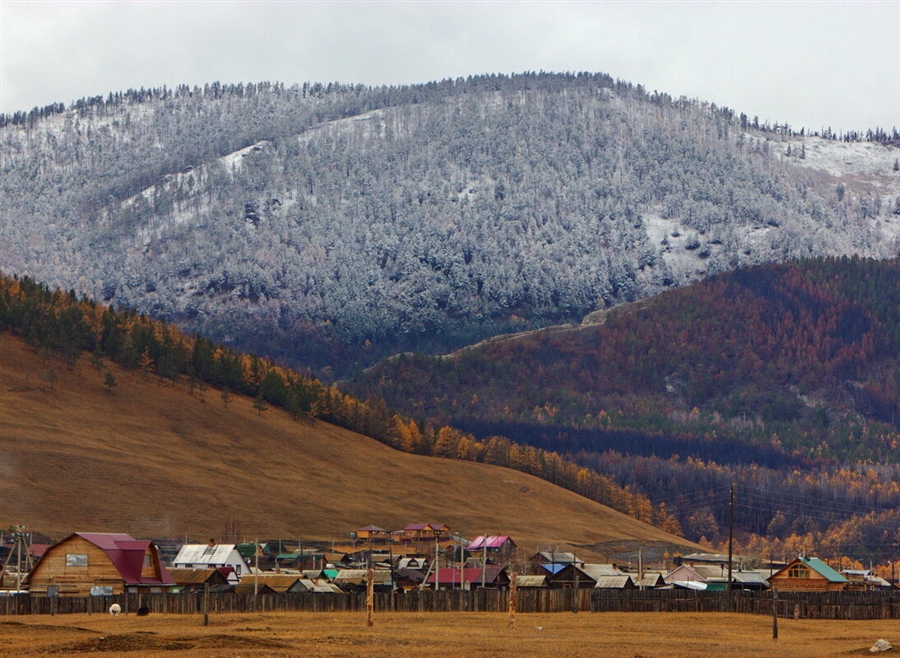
x=334, y=226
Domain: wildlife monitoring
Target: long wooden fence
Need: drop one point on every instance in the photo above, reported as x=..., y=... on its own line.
x=805, y=605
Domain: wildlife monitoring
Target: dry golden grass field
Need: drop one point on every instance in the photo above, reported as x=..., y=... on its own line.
x=153, y=460
x=561, y=635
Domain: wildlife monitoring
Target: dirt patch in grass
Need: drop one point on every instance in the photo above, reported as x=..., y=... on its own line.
x=125, y=642
x=144, y=642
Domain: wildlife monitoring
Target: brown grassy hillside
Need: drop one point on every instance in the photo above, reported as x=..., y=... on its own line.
x=151, y=459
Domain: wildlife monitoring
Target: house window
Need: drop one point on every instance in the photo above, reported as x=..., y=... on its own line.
x=798, y=571
x=76, y=559
x=147, y=560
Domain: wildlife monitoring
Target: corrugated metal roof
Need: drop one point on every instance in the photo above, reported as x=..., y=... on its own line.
x=280, y=582
x=552, y=557
x=596, y=571
x=613, y=582
x=492, y=541
x=191, y=576
x=379, y=576
x=531, y=581
x=448, y=576
x=749, y=577
x=823, y=569
x=204, y=554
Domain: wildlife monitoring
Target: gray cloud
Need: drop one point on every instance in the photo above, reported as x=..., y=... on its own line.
x=812, y=64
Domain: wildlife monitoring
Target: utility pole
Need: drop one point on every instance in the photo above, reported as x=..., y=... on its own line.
x=730, y=548
x=484, y=561
x=640, y=569
x=256, y=572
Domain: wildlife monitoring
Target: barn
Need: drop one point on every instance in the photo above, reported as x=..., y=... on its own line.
x=94, y=563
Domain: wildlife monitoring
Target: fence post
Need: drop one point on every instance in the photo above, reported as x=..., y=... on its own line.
x=206, y=603
x=774, y=614
x=370, y=596
x=512, y=601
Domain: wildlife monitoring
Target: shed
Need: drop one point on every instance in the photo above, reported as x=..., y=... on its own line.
x=532, y=582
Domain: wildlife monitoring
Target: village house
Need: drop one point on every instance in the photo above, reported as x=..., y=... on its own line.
x=695, y=576
x=491, y=577
x=212, y=555
x=553, y=561
x=87, y=563
x=422, y=532
x=585, y=575
x=808, y=574
x=864, y=579
x=497, y=548
x=374, y=534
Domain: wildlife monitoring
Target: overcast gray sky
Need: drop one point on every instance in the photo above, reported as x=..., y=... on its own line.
x=812, y=64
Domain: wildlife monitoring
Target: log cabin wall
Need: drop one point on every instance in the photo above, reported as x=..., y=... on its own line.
x=64, y=566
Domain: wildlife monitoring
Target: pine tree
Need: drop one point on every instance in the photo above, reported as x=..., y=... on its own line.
x=109, y=380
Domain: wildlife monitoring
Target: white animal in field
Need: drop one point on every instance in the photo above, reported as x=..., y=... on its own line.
x=115, y=609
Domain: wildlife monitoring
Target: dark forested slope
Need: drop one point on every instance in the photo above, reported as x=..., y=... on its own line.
x=805, y=351
x=331, y=225
x=783, y=379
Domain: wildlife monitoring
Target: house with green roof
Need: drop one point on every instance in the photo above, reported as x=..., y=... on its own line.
x=808, y=574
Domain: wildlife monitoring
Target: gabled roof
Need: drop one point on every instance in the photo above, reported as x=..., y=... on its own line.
x=127, y=555
x=749, y=578
x=371, y=528
x=614, y=582
x=531, y=581
x=183, y=576
x=206, y=554
x=279, y=582
x=822, y=569
x=651, y=579
x=358, y=577
x=448, y=576
x=314, y=585
x=555, y=557
x=596, y=571
x=492, y=541
x=417, y=526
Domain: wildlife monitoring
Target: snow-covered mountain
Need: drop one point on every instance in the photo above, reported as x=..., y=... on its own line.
x=333, y=225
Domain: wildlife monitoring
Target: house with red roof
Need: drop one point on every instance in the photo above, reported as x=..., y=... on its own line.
x=499, y=548
x=493, y=577
x=108, y=563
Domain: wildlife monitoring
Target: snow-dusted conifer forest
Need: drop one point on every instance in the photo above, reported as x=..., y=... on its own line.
x=330, y=225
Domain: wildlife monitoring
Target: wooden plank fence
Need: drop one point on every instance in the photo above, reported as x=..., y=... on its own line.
x=805, y=605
